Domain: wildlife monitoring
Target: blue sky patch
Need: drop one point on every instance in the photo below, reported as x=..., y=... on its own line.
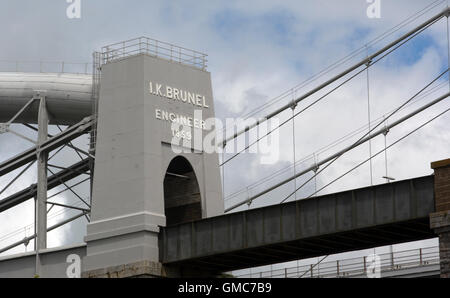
x=412, y=51
x=276, y=25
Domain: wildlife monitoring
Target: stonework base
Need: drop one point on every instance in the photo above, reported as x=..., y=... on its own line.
x=440, y=223
x=143, y=269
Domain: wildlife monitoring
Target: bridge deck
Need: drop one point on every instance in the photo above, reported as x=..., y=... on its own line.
x=351, y=220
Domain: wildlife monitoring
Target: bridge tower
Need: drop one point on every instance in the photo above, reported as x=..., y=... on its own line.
x=152, y=95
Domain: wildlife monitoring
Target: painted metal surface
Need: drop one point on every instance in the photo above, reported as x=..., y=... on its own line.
x=53, y=181
x=68, y=96
x=356, y=219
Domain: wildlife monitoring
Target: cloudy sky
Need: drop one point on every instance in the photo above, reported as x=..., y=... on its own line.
x=259, y=50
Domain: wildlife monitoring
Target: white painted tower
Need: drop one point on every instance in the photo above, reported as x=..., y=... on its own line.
x=141, y=183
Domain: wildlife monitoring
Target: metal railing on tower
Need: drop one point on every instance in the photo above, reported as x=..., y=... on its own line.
x=156, y=48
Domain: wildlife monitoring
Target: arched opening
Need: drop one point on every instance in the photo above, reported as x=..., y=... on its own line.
x=182, y=200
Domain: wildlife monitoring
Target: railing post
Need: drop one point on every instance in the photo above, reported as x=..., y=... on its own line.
x=365, y=264
x=337, y=267
x=285, y=272
x=420, y=256
x=392, y=260
x=311, y=269
x=108, y=53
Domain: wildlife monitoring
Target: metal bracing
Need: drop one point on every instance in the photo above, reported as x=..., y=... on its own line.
x=368, y=116
x=41, y=191
x=384, y=131
x=67, y=188
x=294, y=158
x=27, y=239
x=53, y=181
x=326, y=148
x=20, y=111
x=330, y=158
x=57, y=151
x=354, y=54
x=57, y=179
x=20, y=135
x=70, y=145
x=381, y=151
x=68, y=206
x=96, y=78
x=77, y=151
x=40, y=153
x=327, y=93
x=50, y=144
x=5, y=127
x=404, y=37
x=55, y=166
x=17, y=177
x=40, y=215
x=71, y=190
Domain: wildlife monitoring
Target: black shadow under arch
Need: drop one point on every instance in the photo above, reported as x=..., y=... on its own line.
x=182, y=199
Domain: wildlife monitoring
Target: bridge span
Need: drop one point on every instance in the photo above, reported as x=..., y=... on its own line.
x=346, y=221
x=334, y=223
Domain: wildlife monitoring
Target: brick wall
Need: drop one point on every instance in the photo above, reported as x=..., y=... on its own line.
x=444, y=254
x=440, y=220
x=442, y=184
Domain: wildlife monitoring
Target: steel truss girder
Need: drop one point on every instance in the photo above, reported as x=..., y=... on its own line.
x=27, y=239
x=62, y=138
x=53, y=181
x=70, y=145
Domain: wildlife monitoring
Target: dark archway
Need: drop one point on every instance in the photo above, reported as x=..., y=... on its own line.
x=182, y=199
